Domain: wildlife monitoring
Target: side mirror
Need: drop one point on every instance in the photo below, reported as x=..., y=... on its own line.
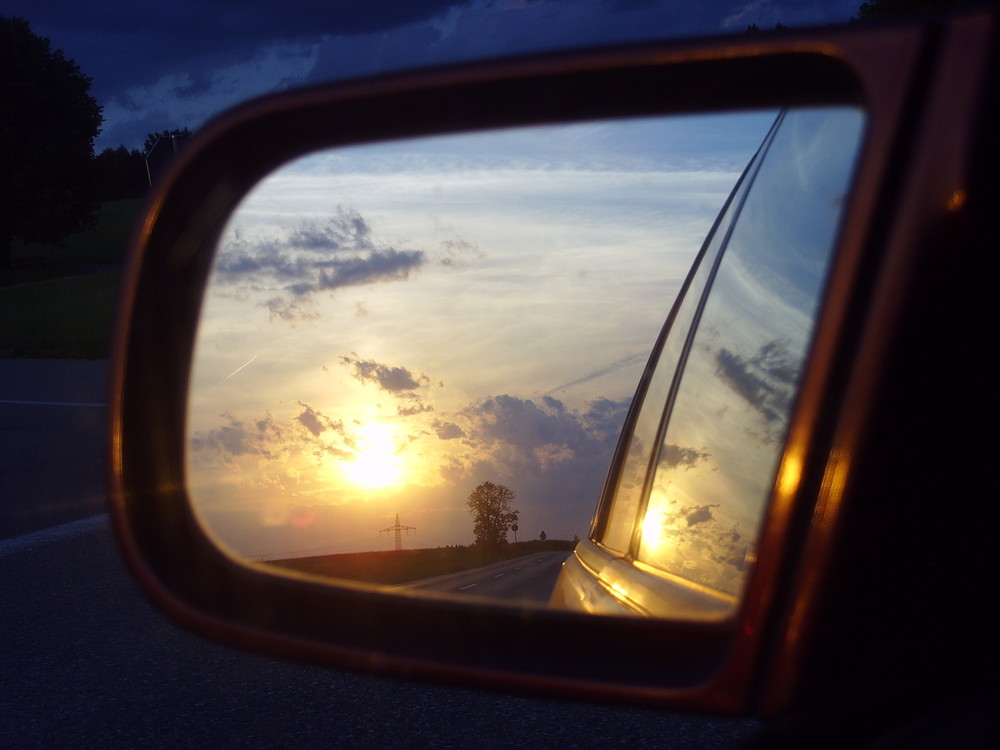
x=727, y=643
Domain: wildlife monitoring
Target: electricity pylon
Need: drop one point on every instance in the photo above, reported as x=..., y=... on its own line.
x=398, y=529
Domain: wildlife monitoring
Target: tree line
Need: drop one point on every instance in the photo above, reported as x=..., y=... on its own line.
x=120, y=173
x=51, y=183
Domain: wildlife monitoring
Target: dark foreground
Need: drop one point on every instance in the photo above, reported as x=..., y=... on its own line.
x=87, y=663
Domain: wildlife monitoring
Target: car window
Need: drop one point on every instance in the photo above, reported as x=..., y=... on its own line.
x=726, y=424
x=618, y=530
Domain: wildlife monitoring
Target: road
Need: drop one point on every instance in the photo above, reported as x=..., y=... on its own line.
x=88, y=663
x=52, y=418
x=523, y=579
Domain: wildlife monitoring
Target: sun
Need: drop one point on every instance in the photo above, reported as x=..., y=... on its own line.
x=376, y=463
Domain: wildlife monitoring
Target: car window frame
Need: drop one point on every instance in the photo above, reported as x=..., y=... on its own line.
x=201, y=587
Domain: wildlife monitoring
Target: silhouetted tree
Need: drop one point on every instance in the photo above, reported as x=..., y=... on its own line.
x=493, y=516
x=152, y=138
x=48, y=122
x=119, y=174
x=160, y=149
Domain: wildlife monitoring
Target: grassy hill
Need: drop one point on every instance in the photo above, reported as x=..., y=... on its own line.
x=59, y=301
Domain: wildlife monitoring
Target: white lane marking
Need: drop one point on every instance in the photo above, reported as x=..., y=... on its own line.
x=49, y=403
x=54, y=534
x=499, y=575
x=467, y=587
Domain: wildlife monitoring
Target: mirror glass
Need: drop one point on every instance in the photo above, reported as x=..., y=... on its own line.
x=415, y=358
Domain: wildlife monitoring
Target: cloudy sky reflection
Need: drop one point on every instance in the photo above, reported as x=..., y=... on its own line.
x=388, y=326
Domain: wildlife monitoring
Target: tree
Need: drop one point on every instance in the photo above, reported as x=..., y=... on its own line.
x=160, y=149
x=48, y=123
x=152, y=138
x=120, y=174
x=490, y=505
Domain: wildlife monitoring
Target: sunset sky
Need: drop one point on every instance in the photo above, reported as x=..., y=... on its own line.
x=388, y=326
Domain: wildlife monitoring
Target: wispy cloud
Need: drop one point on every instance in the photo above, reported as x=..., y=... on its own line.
x=313, y=257
x=602, y=371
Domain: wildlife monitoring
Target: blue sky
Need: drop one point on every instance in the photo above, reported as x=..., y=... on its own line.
x=158, y=65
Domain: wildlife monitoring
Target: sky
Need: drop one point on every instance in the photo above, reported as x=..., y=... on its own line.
x=389, y=325
x=162, y=65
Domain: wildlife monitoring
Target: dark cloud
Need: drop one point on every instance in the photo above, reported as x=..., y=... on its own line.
x=311, y=432
x=522, y=438
x=288, y=310
x=554, y=404
x=346, y=230
x=555, y=458
x=523, y=425
x=239, y=438
x=448, y=430
x=413, y=407
x=122, y=43
x=314, y=257
x=126, y=45
x=696, y=514
x=395, y=380
x=605, y=417
x=676, y=455
x=775, y=359
x=316, y=422
x=765, y=380
x=375, y=266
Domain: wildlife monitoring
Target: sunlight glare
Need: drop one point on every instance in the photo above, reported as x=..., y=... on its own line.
x=376, y=463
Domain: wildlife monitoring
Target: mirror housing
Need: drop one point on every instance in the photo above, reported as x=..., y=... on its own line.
x=761, y=661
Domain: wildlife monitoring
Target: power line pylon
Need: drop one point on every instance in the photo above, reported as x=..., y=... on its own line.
x=398, y=529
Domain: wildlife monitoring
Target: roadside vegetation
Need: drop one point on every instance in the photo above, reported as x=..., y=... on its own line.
x=58, y=301
x=66, y=213
x=66, y=318
x=104, y=243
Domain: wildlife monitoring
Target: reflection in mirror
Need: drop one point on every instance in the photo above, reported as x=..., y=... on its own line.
x=729, y=417
x=676, y=532
x=415, y=358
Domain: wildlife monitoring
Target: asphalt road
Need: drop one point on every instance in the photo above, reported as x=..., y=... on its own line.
x=87, y=662
x=52, y=417
x=523, y=579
